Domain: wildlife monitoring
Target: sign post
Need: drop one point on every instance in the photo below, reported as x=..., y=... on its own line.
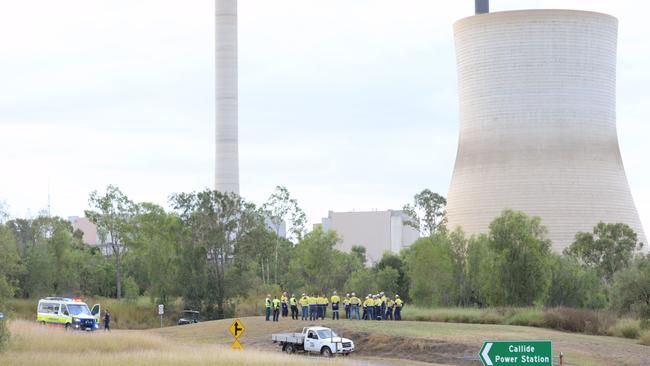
x=517, y=353
x=237, y=328
x=161, y=311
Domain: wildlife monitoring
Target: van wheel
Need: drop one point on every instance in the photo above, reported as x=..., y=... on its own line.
x=289, y=348
x=67, y=326
x=326, y=352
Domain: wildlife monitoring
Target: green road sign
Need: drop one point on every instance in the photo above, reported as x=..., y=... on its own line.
x=517, y=353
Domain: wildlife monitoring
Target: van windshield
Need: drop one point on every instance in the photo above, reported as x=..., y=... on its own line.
x=78, y=309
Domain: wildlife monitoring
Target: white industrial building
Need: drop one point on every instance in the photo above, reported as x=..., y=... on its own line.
x=537, y=91
x=377, y=231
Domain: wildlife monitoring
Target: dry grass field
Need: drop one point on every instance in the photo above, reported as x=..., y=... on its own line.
x=378, y=344
x=33, y=344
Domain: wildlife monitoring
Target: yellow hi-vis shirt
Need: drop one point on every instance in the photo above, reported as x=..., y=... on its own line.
x=267, y=302
x=377, y=302
x=283, y=298
x=390, y=303
x=335, y=299
x=355, y=300
x=304, y=301
x=311, y=300
x=346, y=301
x=367, y=302
x=322, y=300
x=383, y=298
x=292, y=301
x=399, y=303
x=276, y=304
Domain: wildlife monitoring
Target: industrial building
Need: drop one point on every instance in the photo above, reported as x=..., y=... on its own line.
x=377, y=231
x=537, y=92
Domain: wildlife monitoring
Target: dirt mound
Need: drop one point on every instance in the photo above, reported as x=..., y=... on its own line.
x=411, y=348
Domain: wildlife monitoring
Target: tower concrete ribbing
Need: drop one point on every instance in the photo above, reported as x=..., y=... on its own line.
x=227, y=155
x=537, y=92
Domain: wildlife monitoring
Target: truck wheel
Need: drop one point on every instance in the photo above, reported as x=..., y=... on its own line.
x=289, y=349
x=326, y=352
x=67, y=326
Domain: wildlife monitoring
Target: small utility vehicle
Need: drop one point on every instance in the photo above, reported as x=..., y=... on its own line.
x=188, y=317
x=314, y=339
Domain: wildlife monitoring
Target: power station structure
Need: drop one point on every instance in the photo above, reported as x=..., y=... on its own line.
x=537, y=92
x=226, y=178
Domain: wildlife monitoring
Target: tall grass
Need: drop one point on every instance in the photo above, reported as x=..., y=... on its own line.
x=33, y=344
x=139, y=314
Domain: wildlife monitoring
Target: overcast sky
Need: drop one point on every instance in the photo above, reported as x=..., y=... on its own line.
x=351, y=104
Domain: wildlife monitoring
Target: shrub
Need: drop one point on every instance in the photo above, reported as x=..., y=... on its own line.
x=4, y=335
x=644, y=339
x=526, y=317
x=572, y=320
x=627, y=328
x=131, y=290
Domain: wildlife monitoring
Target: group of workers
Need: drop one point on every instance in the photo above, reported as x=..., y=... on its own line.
x=314, y=306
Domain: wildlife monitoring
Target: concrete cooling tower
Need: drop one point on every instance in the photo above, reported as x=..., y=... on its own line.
x=537, y=93
x=227, y=153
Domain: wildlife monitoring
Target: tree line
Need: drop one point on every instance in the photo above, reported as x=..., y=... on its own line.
x=216, y=250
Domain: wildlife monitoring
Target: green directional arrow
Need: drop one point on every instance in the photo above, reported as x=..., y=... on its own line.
x=516, y=353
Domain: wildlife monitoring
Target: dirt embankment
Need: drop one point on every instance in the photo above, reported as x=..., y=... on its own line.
x=411, y=348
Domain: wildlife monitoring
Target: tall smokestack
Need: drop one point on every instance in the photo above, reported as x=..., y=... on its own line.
x=227, y=156
x=481, y=6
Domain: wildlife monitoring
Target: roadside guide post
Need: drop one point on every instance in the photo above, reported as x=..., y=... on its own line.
x=237, y=328
x=161, y=311
x=517, y=353
x=2, y=316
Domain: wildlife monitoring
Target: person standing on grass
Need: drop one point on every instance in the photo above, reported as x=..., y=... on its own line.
x=294, y=307
x=276, y=308
x=336, y=300
x=346, y=305
x=107, y=321
x=398, y=307
x=285, y=307
x=390, y=304
x=313, y=307
x=354, y=307
x=267, y=304
x=304, y=306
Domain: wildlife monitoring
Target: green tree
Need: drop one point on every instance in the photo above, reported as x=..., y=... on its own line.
x=362, y=282
x=313, y=260
x=214, y=223
x=396, y=262
x=280, y=208
x=609, y=248
x=573, y=285
x=631, y=289
x=111, y=213
x=430, y=272
x=520, y=273
x=427, y=212
x=359, y=253
x=154, y=240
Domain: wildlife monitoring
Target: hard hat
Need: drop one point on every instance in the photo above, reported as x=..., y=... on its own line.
x=304, y=294
x=348, y=294
x=381, y=293
x=353, y=294
x=396, y=295
x=334, y=292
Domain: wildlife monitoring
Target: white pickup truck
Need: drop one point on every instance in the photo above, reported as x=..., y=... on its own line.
x=314, y=339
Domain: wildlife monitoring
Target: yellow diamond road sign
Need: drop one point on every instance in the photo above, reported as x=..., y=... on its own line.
x=236, y=345
x=237, y=328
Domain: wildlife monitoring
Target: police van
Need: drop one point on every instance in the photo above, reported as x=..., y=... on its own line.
x=70, y=313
